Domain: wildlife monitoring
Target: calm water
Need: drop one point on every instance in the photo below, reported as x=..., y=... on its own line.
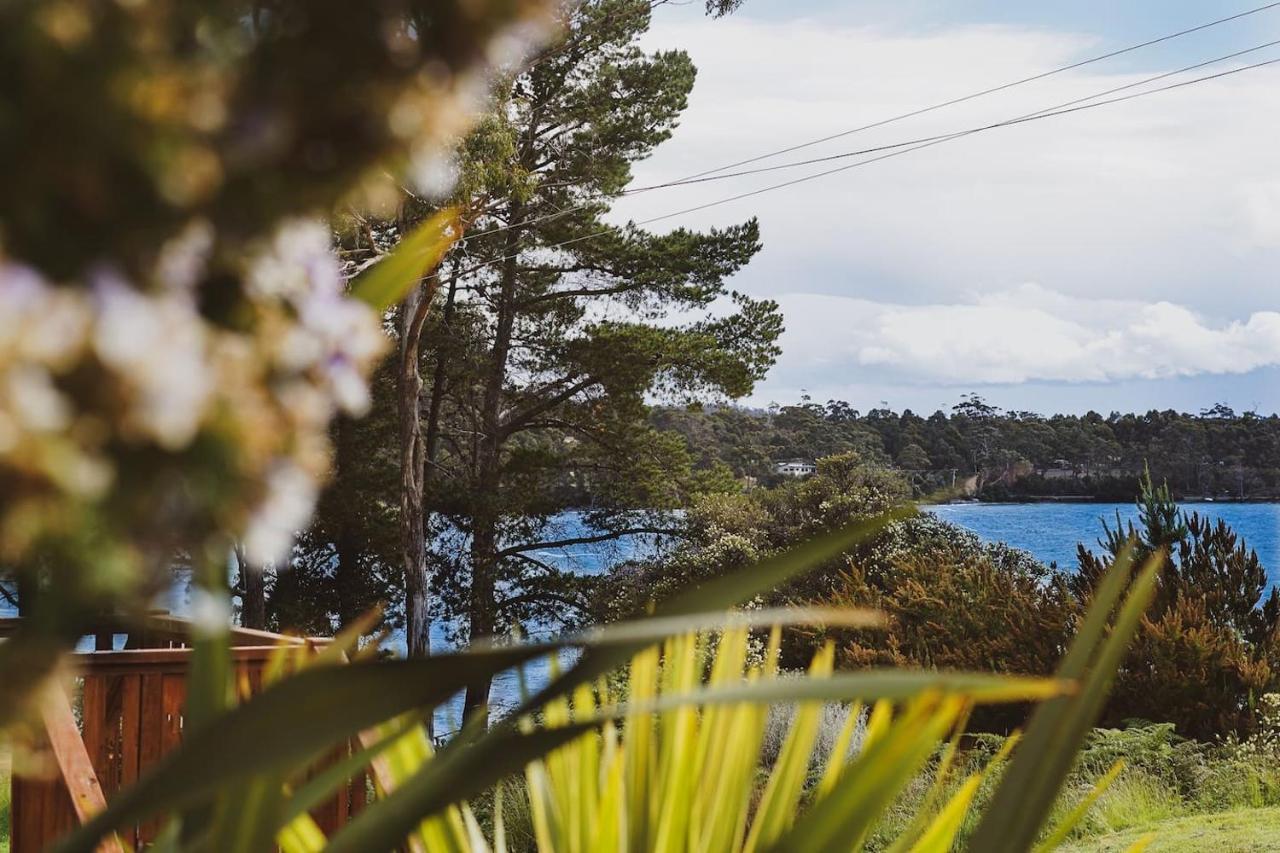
x=1050, y=531
x=589, y=559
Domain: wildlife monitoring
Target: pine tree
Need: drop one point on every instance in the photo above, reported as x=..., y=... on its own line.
x=540, y=366
x=1208, y=645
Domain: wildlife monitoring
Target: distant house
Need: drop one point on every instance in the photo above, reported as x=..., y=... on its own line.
x=1062, y=469
x=795, y=468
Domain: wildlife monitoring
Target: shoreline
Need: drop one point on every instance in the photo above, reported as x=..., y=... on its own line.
x=1088, y=499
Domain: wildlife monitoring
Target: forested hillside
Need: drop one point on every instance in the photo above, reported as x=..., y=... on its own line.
x=1001, y=454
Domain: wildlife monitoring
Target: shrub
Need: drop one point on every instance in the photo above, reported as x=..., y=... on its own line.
x=1208, y=647
x=831, y=721
x=955, y=603
x=1200, y=676
x=724, y=533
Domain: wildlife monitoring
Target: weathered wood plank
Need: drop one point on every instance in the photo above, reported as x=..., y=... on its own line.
x=79, y=783
x=162, y=660
x=26, y=817
x=150, y=738
x=130, y=728
x=97, y=734
x=174, y=695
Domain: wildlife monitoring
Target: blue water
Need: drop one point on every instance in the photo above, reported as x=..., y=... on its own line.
x=1050, y=531
x=583, y=559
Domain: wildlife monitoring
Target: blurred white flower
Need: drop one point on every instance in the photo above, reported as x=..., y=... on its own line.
x=183, y=259
x=290, y=499
x=31, y=399
x=20, y=286
x=210, y=612
x=350, y=339
x=56, y=334
x=157, y=346
x=85, y=476
x=348, y=384
x=433, y=172
x=299, y=261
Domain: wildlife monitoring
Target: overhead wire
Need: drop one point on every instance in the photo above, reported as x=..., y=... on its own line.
x=995, y=89
x=960, y=135
x=714, y=174
x=908, y=142
x=1069, y=107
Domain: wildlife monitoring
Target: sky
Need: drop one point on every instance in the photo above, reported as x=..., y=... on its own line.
x=1118, y=258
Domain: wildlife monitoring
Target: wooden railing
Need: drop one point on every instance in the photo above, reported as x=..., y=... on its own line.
x=131, y=715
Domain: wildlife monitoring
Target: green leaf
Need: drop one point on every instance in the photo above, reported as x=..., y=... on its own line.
x=781, y=796
x=891, y=684
x=940, y=834
x=841, y=819
x=451, y=776
x=386, y=282
x=1058, y=728
x=464, y=769
x=720, y=594
x=322, y=786
x=209, y=689
x=1059, y=833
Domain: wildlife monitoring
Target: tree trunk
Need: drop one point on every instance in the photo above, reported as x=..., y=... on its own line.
x=482, y=614
x=253, y=599
x=439, y=380
x=347, y=571
x=482, y=610
x=413, y=541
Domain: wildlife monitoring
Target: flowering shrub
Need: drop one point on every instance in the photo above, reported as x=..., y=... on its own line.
x=176, y=332
x=93, y=378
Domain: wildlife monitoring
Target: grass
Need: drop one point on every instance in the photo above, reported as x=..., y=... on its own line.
x=1135, y=799
x=1200, y=796
x=1239, y=831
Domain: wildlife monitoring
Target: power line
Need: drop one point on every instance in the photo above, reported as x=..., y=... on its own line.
x=993, y=90
x=927, y=142
x=959, y=135
x=890, y=146
x=703, y=176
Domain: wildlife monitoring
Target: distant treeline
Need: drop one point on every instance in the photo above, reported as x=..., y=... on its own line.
x=997, y=454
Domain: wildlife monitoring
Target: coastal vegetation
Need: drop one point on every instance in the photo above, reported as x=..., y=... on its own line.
x=250, y=337
x=1000, y=455
x=1204, y=654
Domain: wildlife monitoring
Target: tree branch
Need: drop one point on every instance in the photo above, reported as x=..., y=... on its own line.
x=534, y=597
x=587, y=540
x=9, y=597
x=545, y=405
x=578, y=292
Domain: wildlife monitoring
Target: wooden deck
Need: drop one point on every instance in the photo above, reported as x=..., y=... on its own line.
x=131, y=714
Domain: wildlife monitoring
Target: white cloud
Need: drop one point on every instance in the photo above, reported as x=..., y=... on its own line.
x=1026, y=334
x=1156, y=199
x=1260, y=210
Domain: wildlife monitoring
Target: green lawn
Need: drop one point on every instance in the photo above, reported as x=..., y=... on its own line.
x=1241, y=831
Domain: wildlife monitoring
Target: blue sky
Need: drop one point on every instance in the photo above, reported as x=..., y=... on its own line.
x=1120, y=258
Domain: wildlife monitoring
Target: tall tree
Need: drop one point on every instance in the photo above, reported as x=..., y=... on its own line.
x=251, y=586
x=1210, y=643
x=538, y=390
x=347, y=561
